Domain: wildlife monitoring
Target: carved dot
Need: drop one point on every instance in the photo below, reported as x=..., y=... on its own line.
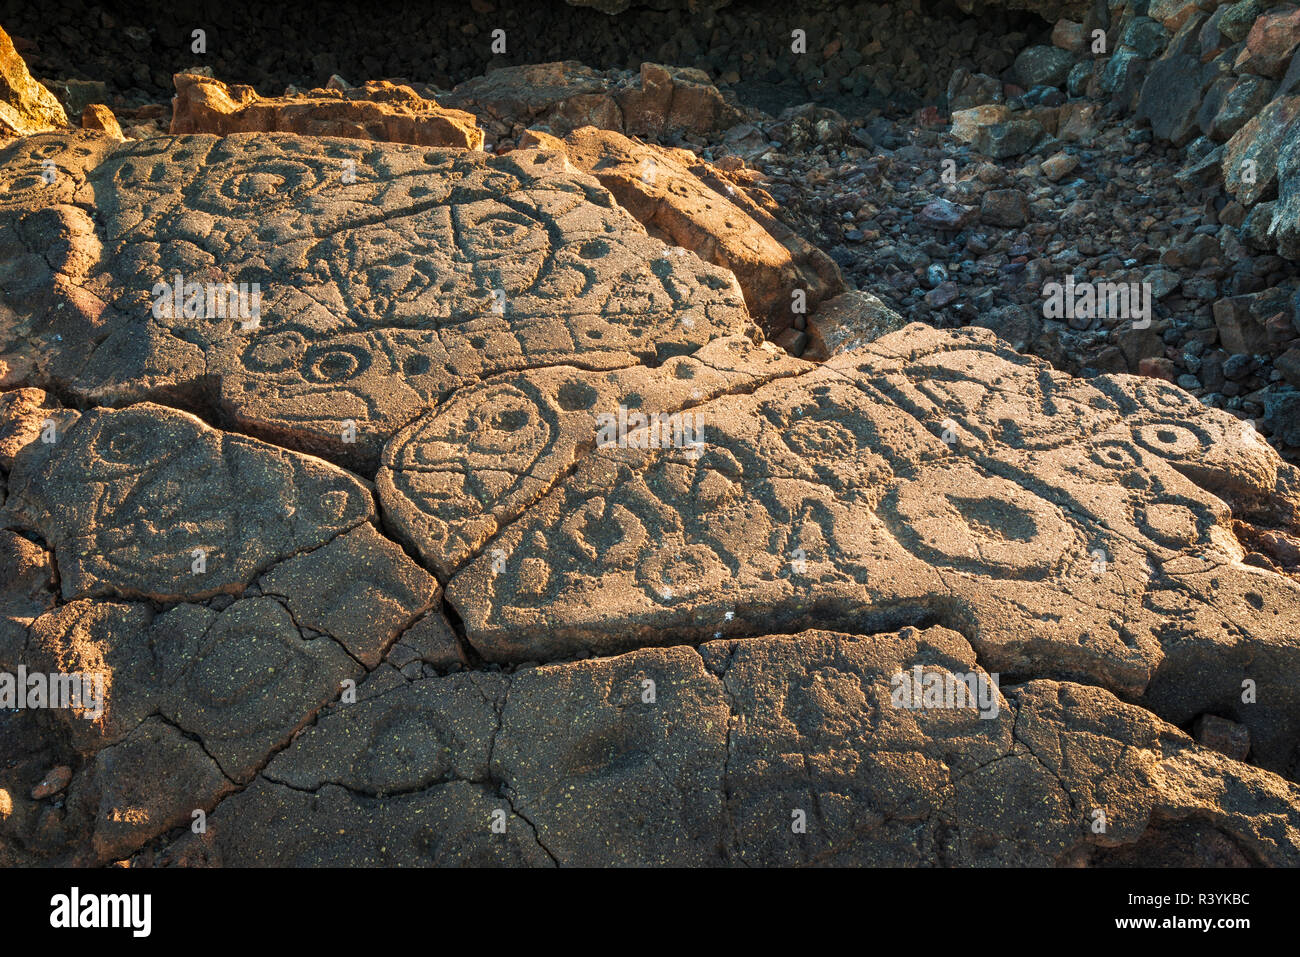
x=510, y=420
x=416, y=365
x=576, y=396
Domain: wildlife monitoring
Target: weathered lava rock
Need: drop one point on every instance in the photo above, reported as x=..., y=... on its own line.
x=500, y=535
x=380, y=292
x=26, y=107
x=377, y=110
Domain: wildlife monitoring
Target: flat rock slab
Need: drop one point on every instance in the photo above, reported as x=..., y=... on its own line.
x=772, y=751
x=684, y=571
x=388, y=277
x=459, y=474
x=1071, y=528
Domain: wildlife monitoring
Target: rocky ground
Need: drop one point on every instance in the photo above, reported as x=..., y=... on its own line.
x=854, y=173
x=617, y=430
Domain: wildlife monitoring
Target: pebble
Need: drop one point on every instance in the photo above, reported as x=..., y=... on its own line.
x=55, y=780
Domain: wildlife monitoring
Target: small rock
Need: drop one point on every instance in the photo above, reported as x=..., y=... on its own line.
x=946, y=215
x=55, y=781
x=1069, y=35
x=793, y=341
x=1008, y=208
x=936, y=275
x=1156, y=367
x=1226, y=737
x=1059, y=165
x=1163, y=282
x=966, y=90
x=97, y=116
x=1239, y=332
x=943, y=295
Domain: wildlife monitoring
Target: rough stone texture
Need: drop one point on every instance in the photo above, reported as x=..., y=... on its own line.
x=26, y=107
x=432, y=269
x=130, y=465
x=671, y=100
x=661, y=101
x=1240, y=17
x=1270, y=43
x=967, y=90
x=374, y=111
x=1284, y=229
x=97, y=116
x=1173, y=14
x=1250, y=161
x=850, y=320
x=1043, y=66
x=123, y=498
x=660, y=649
x=1172, y=93
x=740, y=737
x=1230, y=103
x=562, y=96
x=894, y=522
x=995, y=130
x=694, y=206
x=455, y=477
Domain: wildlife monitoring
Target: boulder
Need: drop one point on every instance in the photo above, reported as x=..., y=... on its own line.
x=1284, y=227
x=26, y=107
x=562, y=96
x=995, y=131
x=1171, y=96
x=1230, y=103
x=966, y=90
x=1271, y=43
x=660, y=101
x=1174, y=14
x=1240, y=17
x=1121, y=78
x=312, y=358
x=1144, y=38
x=452, y=512
x=1250, y=159
x=1043, y=66
x=734, y=748
x=377, y=110
x=674, y=100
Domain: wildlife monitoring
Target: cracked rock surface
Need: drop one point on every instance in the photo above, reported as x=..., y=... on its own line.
x=501, y=536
